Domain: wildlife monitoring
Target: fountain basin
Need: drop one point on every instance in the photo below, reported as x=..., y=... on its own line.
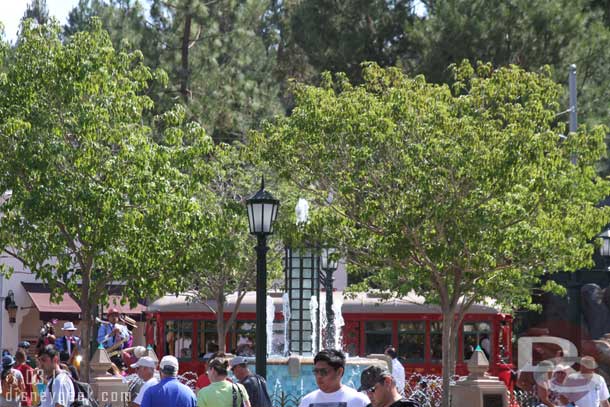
x=293, y=376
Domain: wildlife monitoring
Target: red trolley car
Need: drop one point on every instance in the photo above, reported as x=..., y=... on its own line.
x=188, y=330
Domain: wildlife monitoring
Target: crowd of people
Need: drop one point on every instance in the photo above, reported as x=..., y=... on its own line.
x=379, y=387
x=52, y=378
x=54, y=382
x=31, y=382
x=560, y=385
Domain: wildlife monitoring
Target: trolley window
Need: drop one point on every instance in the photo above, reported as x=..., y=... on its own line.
x=412, y=340
x=436, y=341
x=477, y=334
x=208, y=339
x=243, y=338
x=178, y=339
x=377, y=335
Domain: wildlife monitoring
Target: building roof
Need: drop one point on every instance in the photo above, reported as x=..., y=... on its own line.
x=40, y=294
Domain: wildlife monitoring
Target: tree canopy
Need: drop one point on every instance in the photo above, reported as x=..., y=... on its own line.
x=459, y=193
x=93, y=199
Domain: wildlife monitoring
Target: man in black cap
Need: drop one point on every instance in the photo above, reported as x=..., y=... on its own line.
x=255, y=385
x=380, y=387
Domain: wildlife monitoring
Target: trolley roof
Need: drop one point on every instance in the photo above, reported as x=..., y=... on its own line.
x=353, y=303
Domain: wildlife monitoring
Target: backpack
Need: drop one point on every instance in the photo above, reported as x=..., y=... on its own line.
x=243, y=401
x=83, y=395
x=256, y=386
x=10, y=387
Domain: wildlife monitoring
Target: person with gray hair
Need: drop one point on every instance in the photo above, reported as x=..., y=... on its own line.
x=145, y=367
x=169, y=391
x=592, y=388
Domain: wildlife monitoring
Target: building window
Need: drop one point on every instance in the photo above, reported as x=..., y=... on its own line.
x=377, y=335
x=436, y=341
x=476, y=334
x=208, y=339
x=178, y=339
x=412, y=341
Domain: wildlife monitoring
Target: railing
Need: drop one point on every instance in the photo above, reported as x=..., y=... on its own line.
x=526, y=398
x=285, y=400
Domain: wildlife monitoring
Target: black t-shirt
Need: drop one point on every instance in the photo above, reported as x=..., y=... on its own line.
x=402, y=403
x=257, y=390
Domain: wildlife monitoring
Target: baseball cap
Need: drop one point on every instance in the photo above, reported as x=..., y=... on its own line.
x=7, y=361
x=169, y=364
x=371, y=376
x=238, y=360
x=145, y=361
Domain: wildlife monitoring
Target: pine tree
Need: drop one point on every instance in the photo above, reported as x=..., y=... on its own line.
x=38, y=11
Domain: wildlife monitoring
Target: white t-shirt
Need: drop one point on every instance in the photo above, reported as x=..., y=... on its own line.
x=63, y=391
x=151, y=382
x=596, y=386
x=398, y=373
x=344, y=397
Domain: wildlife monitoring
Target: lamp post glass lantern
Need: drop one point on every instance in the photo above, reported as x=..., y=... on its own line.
x=262, y=212
x=604, y=249
x=11, y=307
x=328, y=265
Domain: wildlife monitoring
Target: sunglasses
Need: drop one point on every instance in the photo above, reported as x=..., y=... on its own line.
x=320, y=372
x=372, y=389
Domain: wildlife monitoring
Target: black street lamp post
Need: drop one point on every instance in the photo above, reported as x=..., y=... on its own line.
x=262, y=212
x=328, y=265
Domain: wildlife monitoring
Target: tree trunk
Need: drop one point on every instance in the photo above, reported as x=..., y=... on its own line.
x=86, y=342
x=220, y=324
x=448, y=342
x=86, y=326
x=186, y=37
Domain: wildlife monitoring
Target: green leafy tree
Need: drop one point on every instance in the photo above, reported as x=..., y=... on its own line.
x=93, y=199
x=459, y=193
x=125, y=21
x=526, y=33
x=222, y=260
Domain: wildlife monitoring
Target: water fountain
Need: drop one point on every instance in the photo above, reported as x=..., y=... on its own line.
x=291, y=377
x=286, y=315
x=269, y=324
x=313, y=313
x=339, y=322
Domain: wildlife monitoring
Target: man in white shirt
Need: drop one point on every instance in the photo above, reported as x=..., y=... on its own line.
x=146, y=371
x=60, y=390
x=329, y=366
x=398, y=370
x=589, y=383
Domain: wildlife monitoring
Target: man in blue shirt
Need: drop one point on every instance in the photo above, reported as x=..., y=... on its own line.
x=112, y=333
x=169, y=391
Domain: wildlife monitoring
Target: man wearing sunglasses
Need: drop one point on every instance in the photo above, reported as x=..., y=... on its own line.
x=329, y=366
x=380, y=387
